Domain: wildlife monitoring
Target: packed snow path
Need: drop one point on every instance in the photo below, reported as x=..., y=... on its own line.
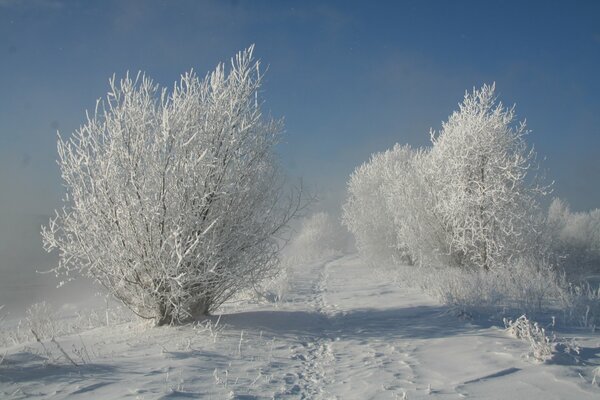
x=343, y=331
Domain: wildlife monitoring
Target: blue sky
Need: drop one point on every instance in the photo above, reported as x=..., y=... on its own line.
x=350, y=78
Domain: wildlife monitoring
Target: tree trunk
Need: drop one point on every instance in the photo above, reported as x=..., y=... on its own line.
x=163, y=317
x=199, y=309
x=484, y=252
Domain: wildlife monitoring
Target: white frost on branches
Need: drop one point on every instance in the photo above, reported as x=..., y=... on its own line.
x=174, y=197
x=468, y=201
x=479, y=166
x=365, y=213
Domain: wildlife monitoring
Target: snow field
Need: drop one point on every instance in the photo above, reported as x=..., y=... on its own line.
x=342, y=332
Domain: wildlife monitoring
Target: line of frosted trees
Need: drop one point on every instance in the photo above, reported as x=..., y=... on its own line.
x=470, y=200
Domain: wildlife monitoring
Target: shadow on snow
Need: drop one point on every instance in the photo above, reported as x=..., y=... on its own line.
x=412, y=322
x=27, y=367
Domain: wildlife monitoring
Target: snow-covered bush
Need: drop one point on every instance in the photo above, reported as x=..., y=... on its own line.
x=522, y=287
x=580, y=303
x=526, y=286
x=48, y=322
x=275, y=289
x=41, y=318
x=174, y=197
x=541, y=345
x=575, y=238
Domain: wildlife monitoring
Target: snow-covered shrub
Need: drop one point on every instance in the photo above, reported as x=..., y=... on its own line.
x=49, y=322
x=174, y=197
x=541, y=346
x=468, y=291
x=41, y=318
x=575, y=238
x=109, y=315
x=319, y=235
x=527, y=286
x=522, y=287
x=275, y=289
x=580, y=304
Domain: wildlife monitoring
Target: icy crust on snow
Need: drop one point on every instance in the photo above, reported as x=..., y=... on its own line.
x=341, y=331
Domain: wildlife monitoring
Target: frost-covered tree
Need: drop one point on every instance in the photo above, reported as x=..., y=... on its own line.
x=410, y=200
x=479, y=168
x=390, y=209
x=366, y=213
x=174, y=197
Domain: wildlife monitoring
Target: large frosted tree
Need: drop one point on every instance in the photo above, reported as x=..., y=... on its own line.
x=174, y=198
x=479, y=168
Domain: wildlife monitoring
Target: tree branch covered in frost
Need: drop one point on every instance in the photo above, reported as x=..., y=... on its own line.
x=174, y=197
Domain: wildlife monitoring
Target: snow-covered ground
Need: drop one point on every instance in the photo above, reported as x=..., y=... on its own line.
x=342, y=331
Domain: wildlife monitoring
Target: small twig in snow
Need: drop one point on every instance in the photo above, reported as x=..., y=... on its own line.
x=37, y=338
x=240, y=344
x=64, y=353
